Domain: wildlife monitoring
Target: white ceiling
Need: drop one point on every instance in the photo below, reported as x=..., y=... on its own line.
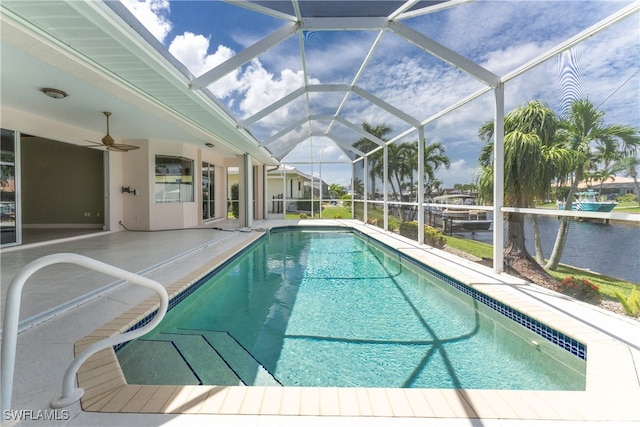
x=74, y=47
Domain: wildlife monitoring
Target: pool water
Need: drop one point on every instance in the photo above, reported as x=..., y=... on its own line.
x=329, y=309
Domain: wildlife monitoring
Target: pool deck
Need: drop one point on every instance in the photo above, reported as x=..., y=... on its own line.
x=56, y=329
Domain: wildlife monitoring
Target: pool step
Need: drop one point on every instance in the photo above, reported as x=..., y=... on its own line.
x=239, y=359
x=202, y=359
x=163, y=364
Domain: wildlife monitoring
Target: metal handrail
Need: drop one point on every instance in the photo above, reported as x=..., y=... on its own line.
x=70, y=393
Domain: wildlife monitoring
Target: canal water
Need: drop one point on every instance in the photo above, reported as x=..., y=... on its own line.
x=609, y=249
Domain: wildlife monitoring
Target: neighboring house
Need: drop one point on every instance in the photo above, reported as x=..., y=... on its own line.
x=616, y=186
x=286, y=183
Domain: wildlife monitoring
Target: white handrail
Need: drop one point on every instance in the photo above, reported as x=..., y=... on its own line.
x=70, y=393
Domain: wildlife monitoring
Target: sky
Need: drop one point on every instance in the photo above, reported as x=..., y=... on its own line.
x=498, y=35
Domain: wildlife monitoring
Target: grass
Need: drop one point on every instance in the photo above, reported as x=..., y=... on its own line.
x=330, y=212
x=627, y=207
x=475, y=248
x=608, y=285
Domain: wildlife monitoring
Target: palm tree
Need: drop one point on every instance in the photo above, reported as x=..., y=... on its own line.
x=608, y=171
x=403, y=165
x=582, y=132
x=400, y=159
x=336, y=191
x=365, y=145
x=434, y=158
x=630, y=167
x=434, y=186
x=358, y=188
x=532, y=159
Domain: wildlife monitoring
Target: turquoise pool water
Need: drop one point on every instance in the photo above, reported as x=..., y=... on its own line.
x=329, y=309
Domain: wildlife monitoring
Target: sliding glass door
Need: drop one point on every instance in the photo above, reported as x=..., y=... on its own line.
x=9, y=226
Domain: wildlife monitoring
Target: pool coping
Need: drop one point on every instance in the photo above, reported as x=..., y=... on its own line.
x=612, y=384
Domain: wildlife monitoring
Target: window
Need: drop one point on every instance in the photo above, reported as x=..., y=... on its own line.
x=208, y=180
x=174, y=179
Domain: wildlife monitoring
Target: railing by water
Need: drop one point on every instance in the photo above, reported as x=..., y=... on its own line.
x=70, y=393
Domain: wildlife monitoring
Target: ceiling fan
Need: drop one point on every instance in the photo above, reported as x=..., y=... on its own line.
x=109, y=142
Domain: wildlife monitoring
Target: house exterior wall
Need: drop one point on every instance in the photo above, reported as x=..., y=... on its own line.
x=136, y=169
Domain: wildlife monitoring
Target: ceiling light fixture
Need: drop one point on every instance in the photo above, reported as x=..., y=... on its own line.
x=210, y=145
x=54, y=93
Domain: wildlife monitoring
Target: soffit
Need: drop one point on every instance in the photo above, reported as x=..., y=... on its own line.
x=112, y=55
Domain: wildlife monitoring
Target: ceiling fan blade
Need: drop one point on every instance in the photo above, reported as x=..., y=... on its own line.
x=94, y=144
x=114, y=148
x=125, y=147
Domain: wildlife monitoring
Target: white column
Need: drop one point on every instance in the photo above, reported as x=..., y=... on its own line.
x=385, y=177
x=265, y=192
x=321, y=188
x=246, y=192
x=498, y=181
x=365, y=181
x=353, y=190
x=420, y=184
x=284, y=191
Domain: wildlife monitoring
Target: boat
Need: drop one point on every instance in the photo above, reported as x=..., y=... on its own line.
x=464, y=218
x=590, y=201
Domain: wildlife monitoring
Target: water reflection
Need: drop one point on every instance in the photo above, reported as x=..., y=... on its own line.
x=609, y=249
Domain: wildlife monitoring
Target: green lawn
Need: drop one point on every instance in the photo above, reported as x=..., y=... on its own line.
x=627, y=207
x=330, y=212
x=608, y=285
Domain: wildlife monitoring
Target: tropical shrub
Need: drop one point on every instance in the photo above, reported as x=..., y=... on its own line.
x=631, y=303
x=627, y=198
x=394, y=223
x=337, y=216
x=235, y=204
x=409, y=229
x=432, y=237
x=580, y=289
x=346, y=201
x=303, y=216
x=378, y=222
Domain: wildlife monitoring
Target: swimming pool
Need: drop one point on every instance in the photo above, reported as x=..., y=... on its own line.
x=331, y=309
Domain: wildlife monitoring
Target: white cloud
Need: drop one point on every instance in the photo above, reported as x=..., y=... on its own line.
x=460, y=172
x=263, y=89
x=251, y=88
x=153, y=14
x=191, y=49
x=504, y=60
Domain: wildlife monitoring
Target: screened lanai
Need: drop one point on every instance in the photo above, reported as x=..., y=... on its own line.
x=375, y=107
x=322, y=78
x=329, y=94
